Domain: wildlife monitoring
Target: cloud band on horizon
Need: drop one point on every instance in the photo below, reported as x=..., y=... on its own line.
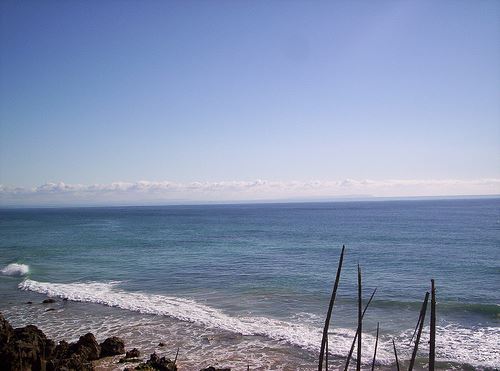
x=149, y=192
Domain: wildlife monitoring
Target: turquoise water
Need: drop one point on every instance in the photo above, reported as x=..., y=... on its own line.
x=261, y=275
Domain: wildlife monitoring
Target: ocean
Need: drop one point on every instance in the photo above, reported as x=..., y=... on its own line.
x=238, y=285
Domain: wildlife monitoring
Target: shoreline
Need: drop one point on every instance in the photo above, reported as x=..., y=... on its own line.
x=167, y=351
x=200, y=346
x=28, y=348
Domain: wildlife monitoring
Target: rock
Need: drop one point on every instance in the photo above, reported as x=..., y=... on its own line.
x=50, y=309
x=48, y=301
x=65, y=299
x=157, y=363
x=129, y=360
x=144, y=367
x=61, y=350
x=75, y=356
x=29, y=302
x=28, y=348
x=74, y=362
x=112, y=346
x=6, y=331
x=161, y=344
x=134, y=353
x=86, y=347
x=24, y=349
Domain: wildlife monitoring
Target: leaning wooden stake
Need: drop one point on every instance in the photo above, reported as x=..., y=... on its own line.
x=416, y=327
x=419, y=333
x=357, y=332
x=375, y=351
x=360, y=320
x=432, y=342
x=329, y=313
x=395, y=354
x=176, y=354
x=326, y=355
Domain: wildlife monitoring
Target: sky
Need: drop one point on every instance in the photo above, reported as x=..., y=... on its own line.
x=153, y=101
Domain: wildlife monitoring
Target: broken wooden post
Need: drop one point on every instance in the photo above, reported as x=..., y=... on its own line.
x=357, y=332
x=419, y=333
x=375, y=351
x=329, y=313
x=176, y=354
x=360, y=320
x=432, y=341
x=395, y=354
x=326, y=355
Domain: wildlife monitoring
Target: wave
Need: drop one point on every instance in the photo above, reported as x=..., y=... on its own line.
x=15, y=269
x=444, y=306
x=298, y=334
x=474, y=346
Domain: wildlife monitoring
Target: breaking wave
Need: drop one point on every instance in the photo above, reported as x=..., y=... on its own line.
x=15, y=269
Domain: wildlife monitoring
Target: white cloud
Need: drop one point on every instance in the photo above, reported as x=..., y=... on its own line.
x=150, y=192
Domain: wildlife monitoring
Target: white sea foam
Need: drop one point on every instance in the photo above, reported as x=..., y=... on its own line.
x=15, y=269
x=476, y=347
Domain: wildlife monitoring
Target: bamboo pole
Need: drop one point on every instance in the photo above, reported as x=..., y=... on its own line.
x=357, y=332
x=419, y=333
x=360, y=320
x=432, y=342
x=395, y=354
x=329, y=313
x=375, y=351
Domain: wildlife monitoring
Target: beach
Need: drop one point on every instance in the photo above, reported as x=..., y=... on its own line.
x=249, y=285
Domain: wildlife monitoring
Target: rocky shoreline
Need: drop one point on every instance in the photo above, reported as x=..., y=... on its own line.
x=28, y=348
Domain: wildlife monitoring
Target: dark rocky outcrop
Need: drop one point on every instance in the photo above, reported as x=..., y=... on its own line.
x=129, y=360
x=134, y=353
x=27, y=348
x=48, y=301
x=112, y=346
x=157, y=363
x=87, y=346
x=24, y=348
x=6, y=331
x=75, y=356
x=74, y=362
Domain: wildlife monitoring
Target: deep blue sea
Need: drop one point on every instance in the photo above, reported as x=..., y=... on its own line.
x=239, y=285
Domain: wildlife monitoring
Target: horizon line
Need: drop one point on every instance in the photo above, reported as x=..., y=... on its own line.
x=341, y=199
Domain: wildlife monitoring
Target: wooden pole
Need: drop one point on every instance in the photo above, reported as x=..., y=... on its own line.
x=432, y=342
x=176, y=354
x=395, y=354
x=357, y=332
x=416, y=327
x=419, y=333
x=375, y=351
x=326, y=355
x=329, y=313
x=360, y=320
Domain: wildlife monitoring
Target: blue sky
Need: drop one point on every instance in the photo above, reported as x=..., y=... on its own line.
x=95, y=92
